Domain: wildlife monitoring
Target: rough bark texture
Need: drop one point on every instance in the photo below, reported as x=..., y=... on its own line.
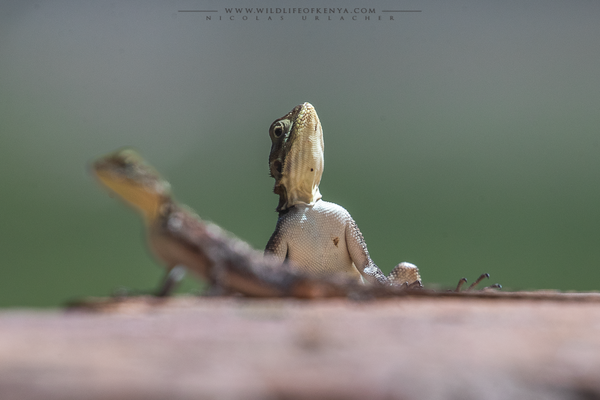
x=233, y=348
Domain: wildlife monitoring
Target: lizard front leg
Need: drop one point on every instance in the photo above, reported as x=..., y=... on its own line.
x=403, y=274
x=171, y=280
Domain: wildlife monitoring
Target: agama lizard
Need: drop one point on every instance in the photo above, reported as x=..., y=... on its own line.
x=182, y=241
x=318, y=236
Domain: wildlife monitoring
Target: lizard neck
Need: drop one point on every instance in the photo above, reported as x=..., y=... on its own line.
x=300, y=207
x=298, y=193
x=147, y=202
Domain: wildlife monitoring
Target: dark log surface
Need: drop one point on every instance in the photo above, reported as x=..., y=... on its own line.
x=412, y=347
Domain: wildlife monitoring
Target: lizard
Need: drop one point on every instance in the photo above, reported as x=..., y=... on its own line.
x=182, y=241
x=319, y=236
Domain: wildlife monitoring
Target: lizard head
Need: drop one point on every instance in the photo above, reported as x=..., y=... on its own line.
x=296, y=158
x=126, y=173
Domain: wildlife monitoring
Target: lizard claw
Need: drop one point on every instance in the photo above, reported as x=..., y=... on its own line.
x=481, y=277
x=411, y=285
x=461, y=282
x=494, y=286
x=414, y=285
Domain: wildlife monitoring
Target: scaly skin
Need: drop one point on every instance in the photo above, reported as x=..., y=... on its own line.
x=179, y=238
x=321, y=238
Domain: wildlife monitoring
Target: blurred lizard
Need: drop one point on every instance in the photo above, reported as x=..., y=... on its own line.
x=318, y=236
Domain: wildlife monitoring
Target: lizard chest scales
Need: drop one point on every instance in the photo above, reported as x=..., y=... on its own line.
x=319, y=239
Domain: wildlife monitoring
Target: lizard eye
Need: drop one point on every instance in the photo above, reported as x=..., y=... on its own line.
x=125, y=163
x=277, y=131
x=279, y=128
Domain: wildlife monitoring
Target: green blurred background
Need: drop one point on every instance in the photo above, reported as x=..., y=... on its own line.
x=463, y=138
